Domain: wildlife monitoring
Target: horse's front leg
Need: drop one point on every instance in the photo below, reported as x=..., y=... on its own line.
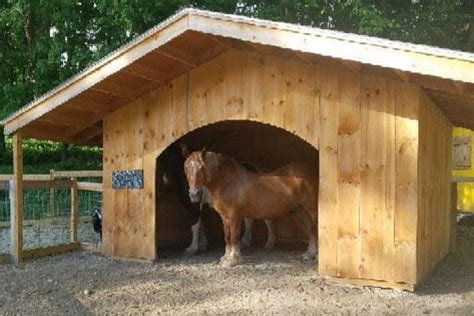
x=227, y=240
x=194, y=246
x=311, y=253
x=247, y=237
x=312, y=232
x=234, y=257
x=271, y=234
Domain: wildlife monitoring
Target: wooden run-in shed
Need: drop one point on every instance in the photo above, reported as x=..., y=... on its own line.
x=379, y=112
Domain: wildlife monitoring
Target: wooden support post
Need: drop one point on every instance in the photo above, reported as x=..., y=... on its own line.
x=13, y=229
x=51, y=194
x=454, y=214
x=74, y=210
x=17, y=199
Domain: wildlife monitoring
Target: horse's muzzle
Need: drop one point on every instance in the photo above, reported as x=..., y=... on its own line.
x=195, y=196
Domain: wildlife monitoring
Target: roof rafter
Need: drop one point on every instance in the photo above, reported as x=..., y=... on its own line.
x=175, y=58
x=87, y=134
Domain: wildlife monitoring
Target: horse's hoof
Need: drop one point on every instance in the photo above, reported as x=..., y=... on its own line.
x=190, y=252
x=225, y=264
x=223, y=259
x=270, y=245
x=230, y=262
x=308, y=256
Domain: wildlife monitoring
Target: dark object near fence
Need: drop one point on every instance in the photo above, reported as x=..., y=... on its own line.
x=97, y=221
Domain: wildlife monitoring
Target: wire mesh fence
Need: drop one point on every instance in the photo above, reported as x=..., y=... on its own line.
x=88, y=202
x=46, y=217
x=5, y=231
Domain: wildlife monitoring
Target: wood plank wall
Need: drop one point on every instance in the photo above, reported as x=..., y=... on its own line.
x=236, y=85
x=434, y=197
x=370, y=193
x=368, y=175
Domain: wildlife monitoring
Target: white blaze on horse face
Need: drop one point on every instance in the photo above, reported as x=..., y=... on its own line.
x=192, y=183
x=195, y=180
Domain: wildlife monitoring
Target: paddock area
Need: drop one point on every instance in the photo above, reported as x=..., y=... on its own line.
x=267, y=283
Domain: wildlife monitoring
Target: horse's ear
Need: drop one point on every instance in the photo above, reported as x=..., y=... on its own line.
x=203, y=150
x=184, y=150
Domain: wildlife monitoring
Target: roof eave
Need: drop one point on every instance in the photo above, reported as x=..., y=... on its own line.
x=413, y=58
x=103, y=68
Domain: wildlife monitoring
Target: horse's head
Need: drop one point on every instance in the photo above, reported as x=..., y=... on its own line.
x=195, y=169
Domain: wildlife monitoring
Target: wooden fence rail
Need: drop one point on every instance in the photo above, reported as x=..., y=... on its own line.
x=56, y=174
x=18, y=253
x=89, y=186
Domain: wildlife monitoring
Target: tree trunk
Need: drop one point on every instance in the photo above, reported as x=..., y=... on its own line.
x=469, y=46
x=3, y=147
x=64, y=151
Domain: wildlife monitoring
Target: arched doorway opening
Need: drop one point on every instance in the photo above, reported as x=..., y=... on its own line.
x=265, y=146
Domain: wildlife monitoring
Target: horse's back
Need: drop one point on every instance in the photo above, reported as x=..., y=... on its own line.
x=296, y=172
x=268, y=195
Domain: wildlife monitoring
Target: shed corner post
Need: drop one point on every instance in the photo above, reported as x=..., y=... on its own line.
x=16, y=198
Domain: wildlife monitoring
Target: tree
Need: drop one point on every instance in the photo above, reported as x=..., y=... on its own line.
x=443, y=23
x=44, y=42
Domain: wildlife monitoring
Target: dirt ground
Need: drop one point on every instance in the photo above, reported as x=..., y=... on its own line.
x=276, y=282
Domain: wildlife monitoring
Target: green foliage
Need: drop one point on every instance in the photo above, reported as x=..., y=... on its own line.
x=44, y=42
x=443, y=23
x=41, y=156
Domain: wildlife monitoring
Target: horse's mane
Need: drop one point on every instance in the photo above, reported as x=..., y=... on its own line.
x=221, y=162
x=225, y=161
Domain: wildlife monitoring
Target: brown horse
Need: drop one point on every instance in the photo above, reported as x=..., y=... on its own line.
x=238, y=193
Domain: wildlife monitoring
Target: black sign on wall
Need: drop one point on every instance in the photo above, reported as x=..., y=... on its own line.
x=127, y=179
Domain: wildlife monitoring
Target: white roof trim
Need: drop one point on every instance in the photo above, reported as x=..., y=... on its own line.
x=350, y=37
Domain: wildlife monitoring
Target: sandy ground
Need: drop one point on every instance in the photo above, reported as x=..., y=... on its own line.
x=276, y=282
